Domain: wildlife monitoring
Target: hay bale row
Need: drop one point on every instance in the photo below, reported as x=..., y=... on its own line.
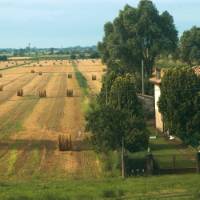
x=94, y=77
x=70, y=93
x=20, y=93
x=64, y=143
x=42, y=94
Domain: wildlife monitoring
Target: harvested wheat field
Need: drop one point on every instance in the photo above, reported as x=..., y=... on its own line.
x=30, y=123
x=90, y=68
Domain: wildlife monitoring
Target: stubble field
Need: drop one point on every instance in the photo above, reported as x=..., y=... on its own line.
x=30, y=125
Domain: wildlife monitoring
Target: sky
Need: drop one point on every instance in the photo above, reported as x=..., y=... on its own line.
x=64, y=23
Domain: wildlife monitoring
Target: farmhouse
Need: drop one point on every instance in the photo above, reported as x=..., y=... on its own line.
x=156, y=80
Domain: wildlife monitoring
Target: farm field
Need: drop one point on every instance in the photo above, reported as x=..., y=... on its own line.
x=30, y=125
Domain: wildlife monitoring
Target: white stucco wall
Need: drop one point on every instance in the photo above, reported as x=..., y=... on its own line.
x=158, y=116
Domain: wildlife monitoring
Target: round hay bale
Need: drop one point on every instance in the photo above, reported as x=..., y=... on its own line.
x=70, y=93
x=40, y=73
x=42, y=94
x=1, y=88
x=1, y=75
x=32, y=71
x=64, y=143
x=20, y=93
x=94, y=77
x=69, y=76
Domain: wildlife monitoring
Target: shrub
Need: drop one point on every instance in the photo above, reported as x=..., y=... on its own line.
x=108, y=193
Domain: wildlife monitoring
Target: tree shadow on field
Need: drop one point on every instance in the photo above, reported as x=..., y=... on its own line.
x=33, y=144
x=77, y=145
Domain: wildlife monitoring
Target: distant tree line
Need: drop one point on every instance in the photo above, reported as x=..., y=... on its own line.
x=3, y=58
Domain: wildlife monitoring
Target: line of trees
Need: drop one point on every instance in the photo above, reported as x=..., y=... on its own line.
x=138, y=35
x=143, y=35
x=3, y=58
x=135, y=39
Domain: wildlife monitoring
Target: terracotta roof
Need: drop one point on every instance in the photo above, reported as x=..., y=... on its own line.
x=197, y=70
x=155, y=80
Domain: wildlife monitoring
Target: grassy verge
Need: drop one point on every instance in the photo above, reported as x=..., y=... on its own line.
x=151, y=188
x=82, y=81
x=164, y=150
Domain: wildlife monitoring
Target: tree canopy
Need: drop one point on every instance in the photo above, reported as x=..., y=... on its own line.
x=190, y=46
x=180, y=104
x=118, y=117
x=136, y=34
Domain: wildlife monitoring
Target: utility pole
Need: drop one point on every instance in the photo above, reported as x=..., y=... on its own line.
x=122, y=150
x=122, y=159
x=142, y=77
x=29, y=49
x=106, y=94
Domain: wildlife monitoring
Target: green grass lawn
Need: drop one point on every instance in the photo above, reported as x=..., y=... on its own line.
x=145, y=188
x=164, y=150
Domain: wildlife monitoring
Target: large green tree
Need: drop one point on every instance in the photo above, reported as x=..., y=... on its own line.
x=137, y=34
x=190, y=46
x=180, y=104
x=119, y=117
